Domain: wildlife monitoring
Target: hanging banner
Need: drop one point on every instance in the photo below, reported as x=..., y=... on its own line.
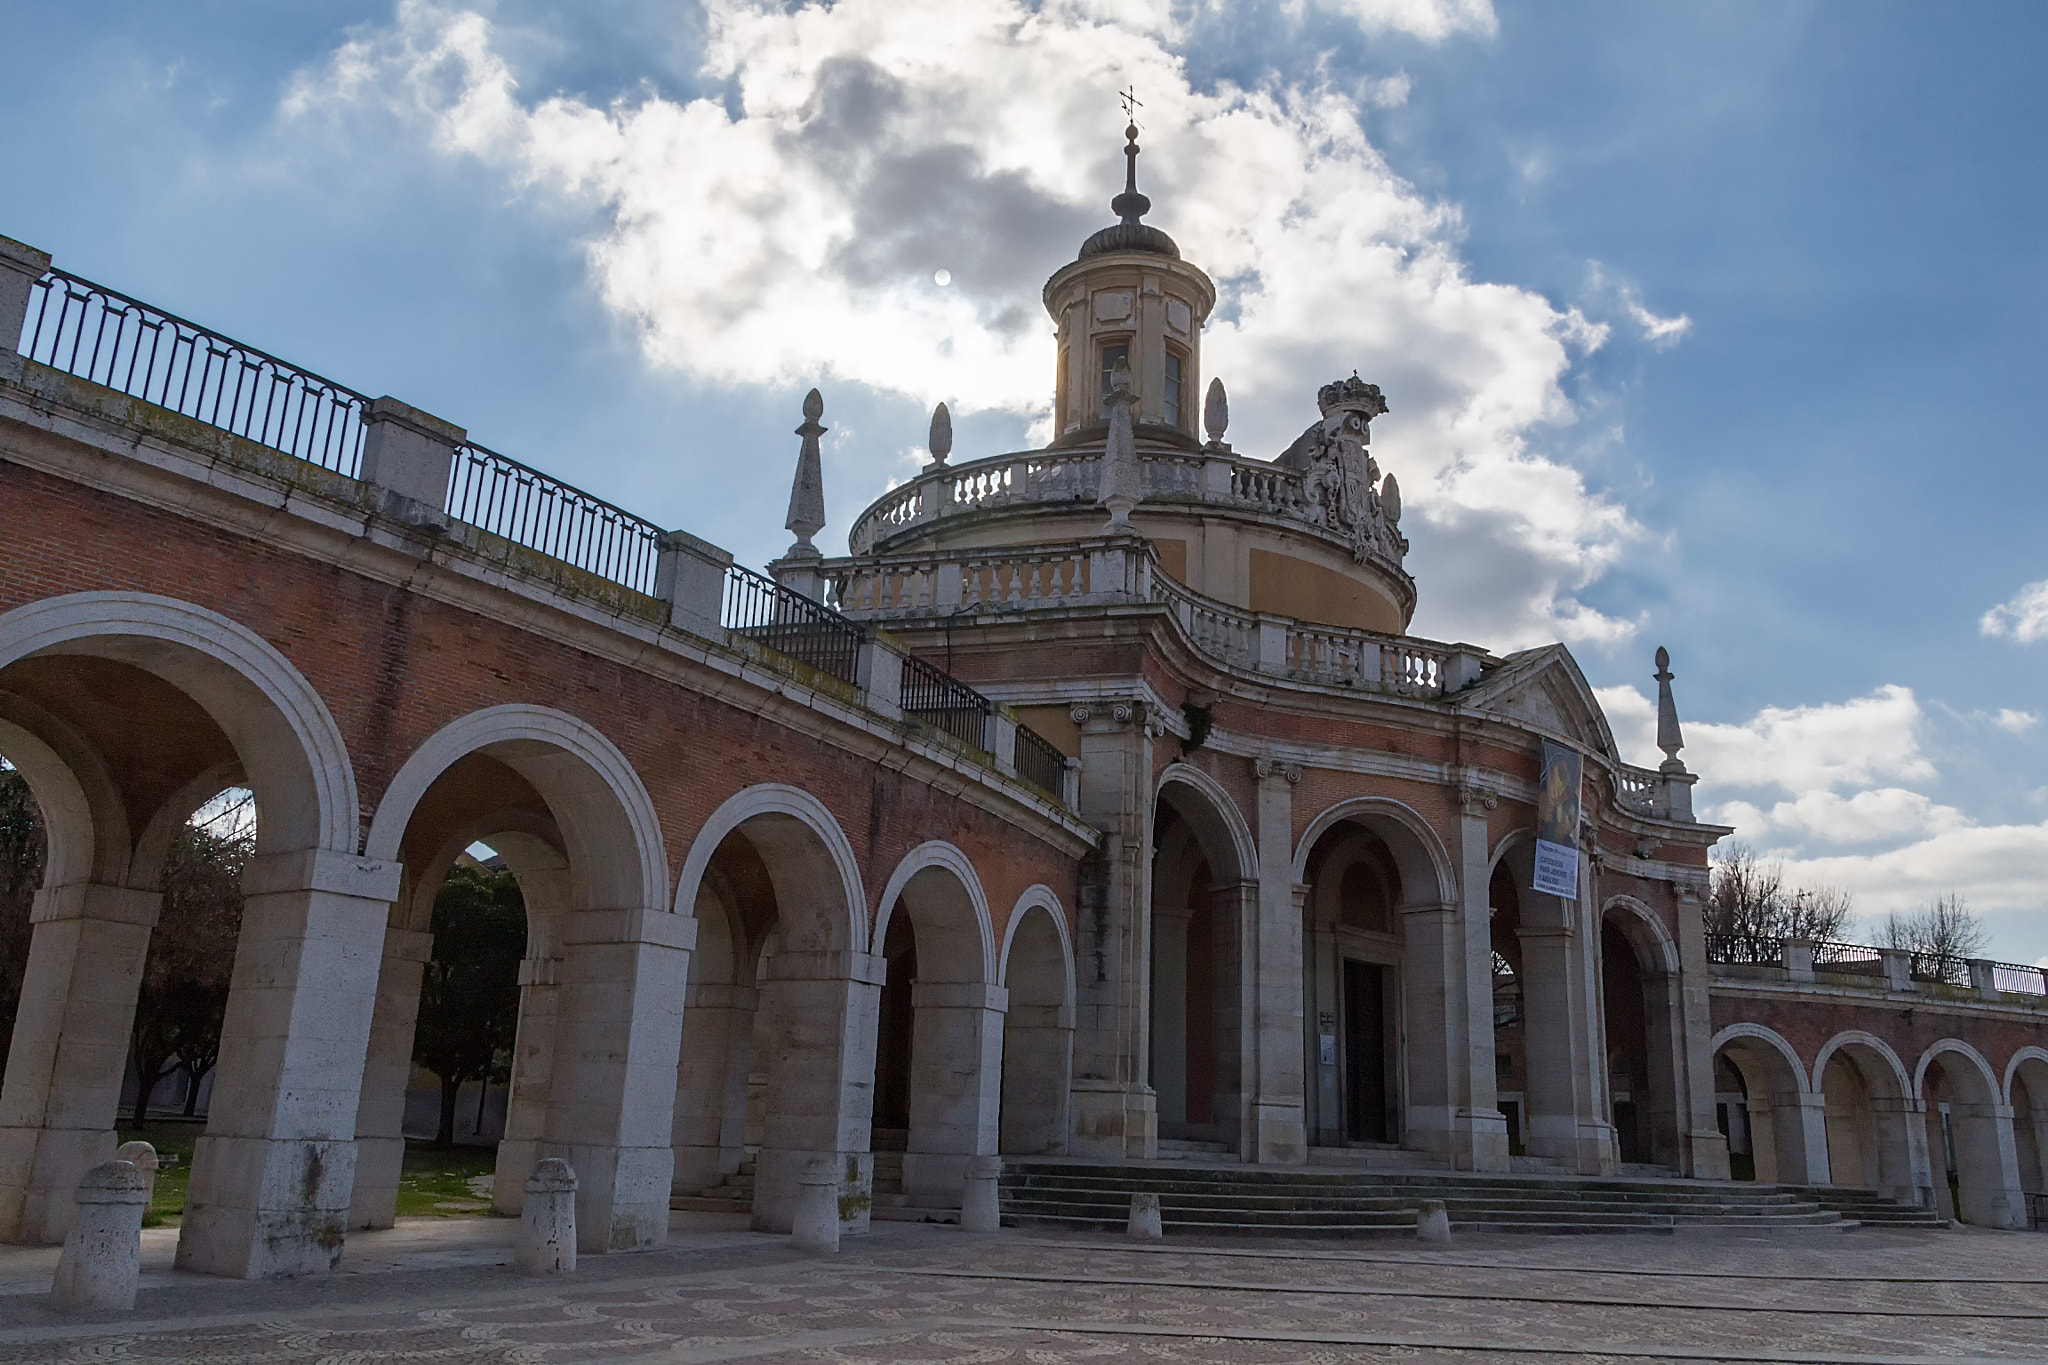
x=1557, y=823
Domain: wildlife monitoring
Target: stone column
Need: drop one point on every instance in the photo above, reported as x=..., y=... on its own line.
x=1113, y=1110
x=956, y=1078
x=711, y=1077
x=380, y=1114
x=1234, y=916
x=271, y=1176
x=70, y=1047
x=1037, y=1080
x=1479, y=1129
x=1705, y=1149
x=1557, y=1092
x=819, y=1013
x=533, y=1068
x=617, y=1038
x=1324, y=990
x=1433, y=1018
x=1279, y=1117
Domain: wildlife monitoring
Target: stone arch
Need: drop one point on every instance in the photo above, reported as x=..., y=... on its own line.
x=942, y=1075
x=2026, y=1094
x=784, y=1064
x=269, y=1193
x=288, y=741
x=153, y=847
x=1214, y=816
x=1427, y=875
x=1970, y=1146
x=1644, y=1033
x=1784, y=1122
x=84, y=839
x=559, y=754
x=766, y=807
x=1037, y=973
x=600, y=1014
x=1875, y=1140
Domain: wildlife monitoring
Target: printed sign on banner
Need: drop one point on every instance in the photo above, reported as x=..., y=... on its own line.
x=1557, y=823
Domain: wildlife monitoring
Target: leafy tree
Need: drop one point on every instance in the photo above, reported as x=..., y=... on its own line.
x=1945, y=928
x=1749, y=899
x=469, y=997
x=22, y=850
x=184, y=996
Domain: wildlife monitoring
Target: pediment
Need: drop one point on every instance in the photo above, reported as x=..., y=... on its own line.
x=1543, y=690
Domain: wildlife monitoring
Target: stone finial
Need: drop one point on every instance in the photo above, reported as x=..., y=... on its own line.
x=1121, y=490
x=1669, y=738
x=1216, y=415
x=981, y=1207
x=807, y=490
x=547, y=1225
x=940, y=441
x=1145, y=1224
x=814, y=1226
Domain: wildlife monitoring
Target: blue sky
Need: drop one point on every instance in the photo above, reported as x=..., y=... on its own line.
x=1710, y=326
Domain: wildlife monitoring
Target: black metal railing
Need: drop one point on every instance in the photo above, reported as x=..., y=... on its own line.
x=1847, y=959
x=942, y=701
x=1745, y=950
x=520, y=503
x=2019, y=978
x=2037, y=1210
x=102, y=335
x=769, y=614
x=1040, y=762
x=1941, y=968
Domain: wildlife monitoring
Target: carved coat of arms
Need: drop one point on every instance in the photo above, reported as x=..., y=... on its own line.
x=1341, y=484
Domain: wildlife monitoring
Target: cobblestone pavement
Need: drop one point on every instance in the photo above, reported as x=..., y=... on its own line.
x=441, y=1292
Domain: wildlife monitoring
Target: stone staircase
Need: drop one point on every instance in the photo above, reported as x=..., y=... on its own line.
x=1310, y=1202
x=734, y=1194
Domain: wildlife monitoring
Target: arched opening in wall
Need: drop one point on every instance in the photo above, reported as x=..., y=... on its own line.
x=1959, y=1104
x=775, y=1070
x=1783, y=1144
x=1869, y=1116
x=1639, y=1010
x=123, y=716
x=1038, y=1037
x=2030, y=1134
x=1731, y=1115
x=1198, y=909
x=1354, y=980
x=939, y=1043
x=23, y=850
x=461, y=1045
x=1510, y=1034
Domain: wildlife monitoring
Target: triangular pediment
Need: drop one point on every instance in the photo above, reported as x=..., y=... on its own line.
x=1543, y=690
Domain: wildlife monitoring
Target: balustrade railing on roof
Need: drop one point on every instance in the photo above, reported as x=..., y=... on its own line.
x=520, y=503
x=942, y=701
x=1847, y=959
x=102, y=335
x=1040, y=762
x=769, y=614
x=1941, y=969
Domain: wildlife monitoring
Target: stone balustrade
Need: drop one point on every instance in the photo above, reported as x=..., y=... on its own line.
x=1894, y=970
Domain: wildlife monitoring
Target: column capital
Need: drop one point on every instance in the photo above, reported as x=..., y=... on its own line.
x=1271, y=769
x=1476, y=801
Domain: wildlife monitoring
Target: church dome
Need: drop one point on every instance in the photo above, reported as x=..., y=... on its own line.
x=1128, y=234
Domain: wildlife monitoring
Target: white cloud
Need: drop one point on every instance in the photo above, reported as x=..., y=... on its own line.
x=790, y=233
x=1660, y=332
x=2025, y=617
x=1795, y=749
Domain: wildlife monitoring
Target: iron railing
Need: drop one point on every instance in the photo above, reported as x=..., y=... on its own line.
x=520, y=503
x=2037, y=1210
x=942, y=701
x=2019, y=979
x=1040, y=762
x=102, y=335
x=1941, y=968
x=1745, y=950
x=1847, y=959
x=786, y=621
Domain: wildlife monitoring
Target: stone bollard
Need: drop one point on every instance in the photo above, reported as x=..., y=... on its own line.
x=981, y=1203
x=815, y=1225
x=102, y=1257
x=547, y=1228
x=1432, y=1224
x=1145, y=1223
x=143, y=1157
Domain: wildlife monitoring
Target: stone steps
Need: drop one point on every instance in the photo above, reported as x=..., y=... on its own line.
x=1321, y=1201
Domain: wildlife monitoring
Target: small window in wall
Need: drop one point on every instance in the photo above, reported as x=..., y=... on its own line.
x=1173, y=388
x=1111, y=354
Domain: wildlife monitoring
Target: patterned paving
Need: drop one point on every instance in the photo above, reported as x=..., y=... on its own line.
x=937, y=1295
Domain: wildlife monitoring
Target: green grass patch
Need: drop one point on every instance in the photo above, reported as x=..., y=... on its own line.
x=171, y=1140
x=445, y=1182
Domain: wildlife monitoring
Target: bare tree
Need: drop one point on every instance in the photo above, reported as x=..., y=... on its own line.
x=1749, y=899
x=1945, y=928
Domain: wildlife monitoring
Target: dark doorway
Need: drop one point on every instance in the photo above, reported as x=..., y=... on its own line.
x=893, y=1036
x=1365, y=1053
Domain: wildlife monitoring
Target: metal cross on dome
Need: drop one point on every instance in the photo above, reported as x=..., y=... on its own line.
x=1128, y=97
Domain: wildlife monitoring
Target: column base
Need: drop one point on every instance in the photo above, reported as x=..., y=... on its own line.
x=296, y=1227
x=1281, y=1133
x=1710, y=1156
x=373, y=1203
x=48, y=1163
x=621, y=1196
x=516, y=1159
x=776, y=1171
x=1481, y=1140
x=1111, y=1124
